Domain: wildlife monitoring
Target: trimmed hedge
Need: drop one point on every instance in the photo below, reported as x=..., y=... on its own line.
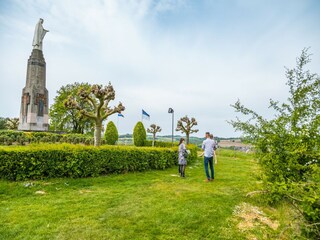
x=8, y=137
x=66, y=160
x=139, y=135
x=148, y=143
x=111, y=134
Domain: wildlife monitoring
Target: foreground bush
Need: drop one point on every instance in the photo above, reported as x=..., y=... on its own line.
x=51, y=161
x=288, y=145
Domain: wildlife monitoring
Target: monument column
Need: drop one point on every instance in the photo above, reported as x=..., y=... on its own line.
x=34, y=100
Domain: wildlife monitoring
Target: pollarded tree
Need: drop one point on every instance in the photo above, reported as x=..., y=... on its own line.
x=98, y=97
x=111, y=134
x=139, y=135
x=185, y=125
x=70, y=119
x=154, y=129
x=12, y=123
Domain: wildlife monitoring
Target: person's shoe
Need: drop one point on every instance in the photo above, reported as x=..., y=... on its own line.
x=207, y=180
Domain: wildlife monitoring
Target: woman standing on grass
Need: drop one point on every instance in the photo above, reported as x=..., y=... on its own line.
x=182, y=157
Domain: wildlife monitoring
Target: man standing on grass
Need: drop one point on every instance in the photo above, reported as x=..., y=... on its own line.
x=208, y=148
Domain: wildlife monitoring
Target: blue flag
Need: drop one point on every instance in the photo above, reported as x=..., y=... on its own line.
x=145, y=115
x=120, y=115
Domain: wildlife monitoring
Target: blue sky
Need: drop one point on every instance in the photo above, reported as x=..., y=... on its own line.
x=195, y=56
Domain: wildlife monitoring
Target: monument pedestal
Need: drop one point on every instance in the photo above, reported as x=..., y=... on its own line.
x=34, y=101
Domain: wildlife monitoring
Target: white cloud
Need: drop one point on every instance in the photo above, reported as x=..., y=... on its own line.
x=169, y=5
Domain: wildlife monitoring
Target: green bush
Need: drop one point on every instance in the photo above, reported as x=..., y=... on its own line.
x=111, y=135
x=288, y=144
x=13, y=135
x=160, y=144
x=65, y=160
x=139, y=135
x=88, y=142
x=21, y=138
x=9, y=141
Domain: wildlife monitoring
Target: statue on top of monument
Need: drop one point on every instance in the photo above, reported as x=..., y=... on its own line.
x=39, y=34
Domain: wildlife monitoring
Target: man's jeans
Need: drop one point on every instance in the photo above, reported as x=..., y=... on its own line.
x=210, y=161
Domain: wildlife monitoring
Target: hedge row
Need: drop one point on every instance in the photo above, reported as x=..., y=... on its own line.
x=148, y=143
x=8, y=137
x=66, y=160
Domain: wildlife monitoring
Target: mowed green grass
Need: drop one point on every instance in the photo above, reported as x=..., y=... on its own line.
x=148, y=205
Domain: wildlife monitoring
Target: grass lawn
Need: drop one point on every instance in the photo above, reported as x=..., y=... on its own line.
x=148, y=205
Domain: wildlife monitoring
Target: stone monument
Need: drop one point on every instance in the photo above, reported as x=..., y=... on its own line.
x=34, y=101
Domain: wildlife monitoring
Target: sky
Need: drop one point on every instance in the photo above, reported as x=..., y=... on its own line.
x=195, y=56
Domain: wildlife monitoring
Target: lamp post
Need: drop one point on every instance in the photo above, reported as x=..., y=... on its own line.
x=172, y=111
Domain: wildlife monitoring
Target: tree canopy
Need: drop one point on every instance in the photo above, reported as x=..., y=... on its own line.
x=12, y=123
x=3, y=123
x=68, y=119
x=154, y=129
x=93, y=103
x=185, y=125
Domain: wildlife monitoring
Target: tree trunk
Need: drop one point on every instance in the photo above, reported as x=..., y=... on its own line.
x=97, y=133
x=187, y=138
x=154, y=139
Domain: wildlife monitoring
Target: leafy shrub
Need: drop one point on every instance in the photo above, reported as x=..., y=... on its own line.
x=2, y=140
x=160, y=144
x=193, y=152
x=139, y=135
x=88, y=141
x=21, y=138
x=9, y=140
x=288, y=145
x=111, y=135
x=65, y=160
x=13, y=135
